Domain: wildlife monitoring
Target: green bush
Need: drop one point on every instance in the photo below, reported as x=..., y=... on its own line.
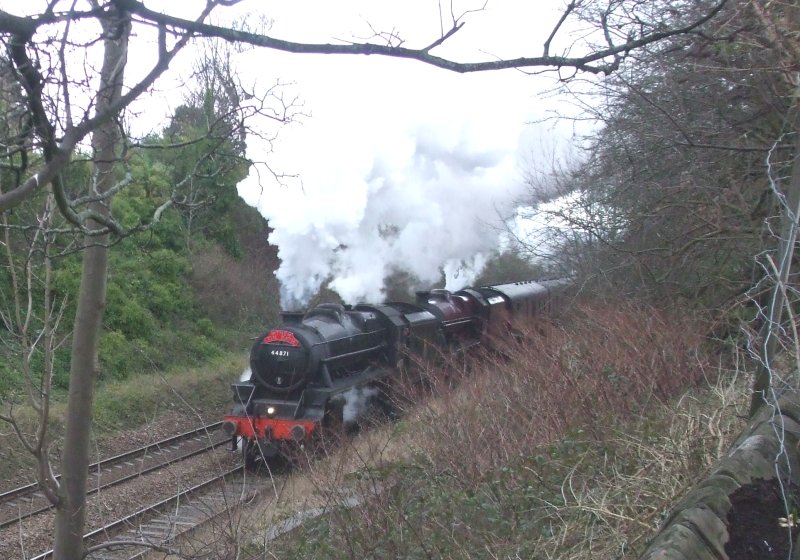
x=121, y=357
x=154, y=316
x=128, y=316
x=205, y=327
x=10, y=379
x=61, y=364
x=114, y=350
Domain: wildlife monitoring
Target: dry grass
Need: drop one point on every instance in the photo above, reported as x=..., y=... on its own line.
x=610, y=363
x=570, y=442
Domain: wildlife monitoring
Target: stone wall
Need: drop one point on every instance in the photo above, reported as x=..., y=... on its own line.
x=767, y=450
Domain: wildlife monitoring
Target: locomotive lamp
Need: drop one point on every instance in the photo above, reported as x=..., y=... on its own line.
x=270, y=411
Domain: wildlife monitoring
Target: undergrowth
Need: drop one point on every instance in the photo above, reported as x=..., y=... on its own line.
x=571, y=441
x=200, y=391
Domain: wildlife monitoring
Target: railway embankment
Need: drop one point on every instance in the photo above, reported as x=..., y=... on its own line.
x=747, y=505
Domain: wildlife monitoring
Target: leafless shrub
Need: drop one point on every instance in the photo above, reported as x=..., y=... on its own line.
x=609, y=362
x=564, y=442
x=233, y=290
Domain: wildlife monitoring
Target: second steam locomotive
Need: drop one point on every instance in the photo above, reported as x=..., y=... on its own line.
x=309, y=371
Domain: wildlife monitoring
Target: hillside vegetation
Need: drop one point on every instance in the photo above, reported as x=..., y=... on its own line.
x=190, y=289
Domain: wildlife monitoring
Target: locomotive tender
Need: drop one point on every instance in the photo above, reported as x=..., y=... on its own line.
x=309, y=371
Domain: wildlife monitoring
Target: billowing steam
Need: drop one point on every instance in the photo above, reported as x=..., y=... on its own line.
x=424, y=204
x=356, y=402
x=400, y=168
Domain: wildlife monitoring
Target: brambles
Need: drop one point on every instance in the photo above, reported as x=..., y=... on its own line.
x=569, y=444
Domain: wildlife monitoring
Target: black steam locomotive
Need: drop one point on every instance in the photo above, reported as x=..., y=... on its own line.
x=310, y=370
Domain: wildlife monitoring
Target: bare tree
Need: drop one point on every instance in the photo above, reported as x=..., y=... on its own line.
x=71, y=510
x=781, y=22
x=29, y=314
x=672, y=197
x=694, y=175
x=61, y=113
x=36, y=336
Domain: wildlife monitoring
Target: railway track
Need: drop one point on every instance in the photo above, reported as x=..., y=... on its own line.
x=26, y=501
x=167, y=521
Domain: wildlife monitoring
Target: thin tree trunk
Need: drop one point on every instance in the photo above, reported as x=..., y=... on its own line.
x=770, y=330
x=781, y=22
x=71, y=515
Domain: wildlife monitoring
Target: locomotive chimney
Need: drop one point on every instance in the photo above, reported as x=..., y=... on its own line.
x=292, y=317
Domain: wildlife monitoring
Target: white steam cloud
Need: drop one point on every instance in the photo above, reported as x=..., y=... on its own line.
x=434, y=211
x=401, y=167
x=422, y=201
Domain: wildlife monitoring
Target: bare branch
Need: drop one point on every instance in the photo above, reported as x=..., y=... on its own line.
x=565, y=14
x=592, y=62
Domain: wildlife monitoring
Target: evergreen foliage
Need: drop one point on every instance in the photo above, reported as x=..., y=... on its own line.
x=161, y=310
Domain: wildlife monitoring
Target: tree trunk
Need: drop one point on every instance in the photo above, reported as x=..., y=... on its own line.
x=782, y=23
x=71, y=515
x=770, y=330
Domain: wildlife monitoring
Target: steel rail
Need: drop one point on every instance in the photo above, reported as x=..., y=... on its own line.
x=97, y=467
x=129, y=520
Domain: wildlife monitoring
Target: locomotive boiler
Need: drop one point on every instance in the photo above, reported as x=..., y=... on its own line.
x=307, y=372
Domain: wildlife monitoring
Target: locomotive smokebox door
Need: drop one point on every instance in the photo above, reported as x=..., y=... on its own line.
x=280, y=362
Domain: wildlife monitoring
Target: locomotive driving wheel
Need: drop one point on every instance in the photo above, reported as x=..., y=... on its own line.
x=332, y=430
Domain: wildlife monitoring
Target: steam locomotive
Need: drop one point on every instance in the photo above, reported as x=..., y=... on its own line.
x=311, y=370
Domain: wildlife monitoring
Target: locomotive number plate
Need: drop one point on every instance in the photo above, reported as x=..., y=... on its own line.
x=280, y=353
